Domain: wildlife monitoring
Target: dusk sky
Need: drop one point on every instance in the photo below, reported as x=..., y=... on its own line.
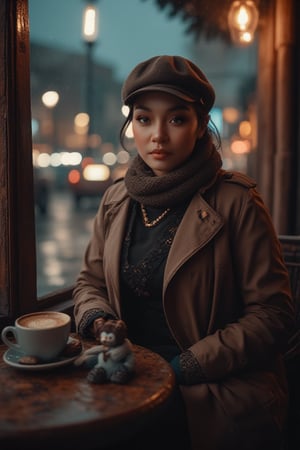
x=129, y=30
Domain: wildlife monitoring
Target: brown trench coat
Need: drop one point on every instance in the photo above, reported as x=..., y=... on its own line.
x=226, y=297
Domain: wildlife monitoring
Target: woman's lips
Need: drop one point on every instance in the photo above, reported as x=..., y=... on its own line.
x=159, y=154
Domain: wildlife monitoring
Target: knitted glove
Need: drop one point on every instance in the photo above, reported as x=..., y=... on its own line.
x=187, y=369
x=87, y=325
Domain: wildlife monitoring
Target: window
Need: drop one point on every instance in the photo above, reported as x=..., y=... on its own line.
x=17, y=241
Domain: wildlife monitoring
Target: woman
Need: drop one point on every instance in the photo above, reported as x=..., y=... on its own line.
x=187, y=255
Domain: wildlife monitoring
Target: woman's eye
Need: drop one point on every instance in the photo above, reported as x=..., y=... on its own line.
x=142, y=119
x=178, y=120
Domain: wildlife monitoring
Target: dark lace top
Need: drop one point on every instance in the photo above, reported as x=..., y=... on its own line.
x=143, y=261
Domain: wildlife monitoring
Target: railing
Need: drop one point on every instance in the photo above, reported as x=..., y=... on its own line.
x=291, y=254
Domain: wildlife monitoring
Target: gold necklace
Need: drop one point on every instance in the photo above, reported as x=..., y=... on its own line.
x=147, y=222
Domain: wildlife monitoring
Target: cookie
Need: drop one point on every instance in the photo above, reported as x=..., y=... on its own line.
x=29, y=360
x=72, y=348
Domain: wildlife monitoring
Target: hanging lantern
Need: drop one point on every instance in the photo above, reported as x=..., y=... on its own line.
x=242, y=20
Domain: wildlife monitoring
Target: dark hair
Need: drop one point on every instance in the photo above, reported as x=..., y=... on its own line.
x=212, y=130
x=124, y=128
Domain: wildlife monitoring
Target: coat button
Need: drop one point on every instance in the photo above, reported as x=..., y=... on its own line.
x=203, y=214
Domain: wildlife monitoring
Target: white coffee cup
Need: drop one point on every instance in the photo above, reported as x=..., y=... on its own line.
x=41, y=334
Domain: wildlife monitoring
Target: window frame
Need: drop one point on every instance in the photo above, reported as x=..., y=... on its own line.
x=18, y=292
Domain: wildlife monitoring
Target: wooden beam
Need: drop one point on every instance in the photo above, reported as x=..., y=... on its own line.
x=285, y=133
x=266, y=106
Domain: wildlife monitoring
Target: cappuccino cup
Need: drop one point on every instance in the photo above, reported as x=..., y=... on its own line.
x=40, y=334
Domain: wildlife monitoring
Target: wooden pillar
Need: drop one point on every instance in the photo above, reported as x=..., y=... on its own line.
x=18, y=219
x=297, y=58
x=266, y=106
x=285, y=109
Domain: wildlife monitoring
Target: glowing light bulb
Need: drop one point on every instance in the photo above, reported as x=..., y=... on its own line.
x=242, y=21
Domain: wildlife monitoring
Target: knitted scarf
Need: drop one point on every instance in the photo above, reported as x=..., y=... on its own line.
x=176, y=186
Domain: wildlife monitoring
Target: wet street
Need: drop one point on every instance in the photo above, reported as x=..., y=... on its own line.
x=62, y=235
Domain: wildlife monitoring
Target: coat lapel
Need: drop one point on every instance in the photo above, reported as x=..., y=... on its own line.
x=199, y=225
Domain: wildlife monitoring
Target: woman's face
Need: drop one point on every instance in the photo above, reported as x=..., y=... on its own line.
x=165, y=130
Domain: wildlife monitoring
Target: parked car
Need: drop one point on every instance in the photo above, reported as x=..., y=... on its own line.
x=89, y=180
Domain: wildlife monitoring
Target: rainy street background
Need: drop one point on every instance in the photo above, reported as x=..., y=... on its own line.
x=62, y=235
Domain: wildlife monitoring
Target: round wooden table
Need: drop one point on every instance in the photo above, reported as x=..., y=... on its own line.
x=60, y=409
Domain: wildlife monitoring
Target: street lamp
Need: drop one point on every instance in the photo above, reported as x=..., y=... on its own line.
x=50, y=100
x=90, y=34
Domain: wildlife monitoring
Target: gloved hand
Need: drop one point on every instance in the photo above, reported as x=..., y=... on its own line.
x=175, y=364
x=97, y=324
x=187, y=369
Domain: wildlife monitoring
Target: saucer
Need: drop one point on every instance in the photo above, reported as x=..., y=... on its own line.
x=12, y=356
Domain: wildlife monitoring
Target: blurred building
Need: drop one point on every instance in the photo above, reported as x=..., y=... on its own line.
x=54, y=129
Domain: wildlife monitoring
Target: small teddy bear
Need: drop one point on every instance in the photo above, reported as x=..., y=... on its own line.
x=112, y=360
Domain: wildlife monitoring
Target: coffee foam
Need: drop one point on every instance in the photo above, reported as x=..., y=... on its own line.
x=40, y=321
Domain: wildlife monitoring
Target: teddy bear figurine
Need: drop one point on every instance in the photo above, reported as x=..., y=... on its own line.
x=112, y=360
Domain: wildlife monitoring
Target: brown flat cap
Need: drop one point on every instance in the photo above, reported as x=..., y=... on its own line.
x=172, y=74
